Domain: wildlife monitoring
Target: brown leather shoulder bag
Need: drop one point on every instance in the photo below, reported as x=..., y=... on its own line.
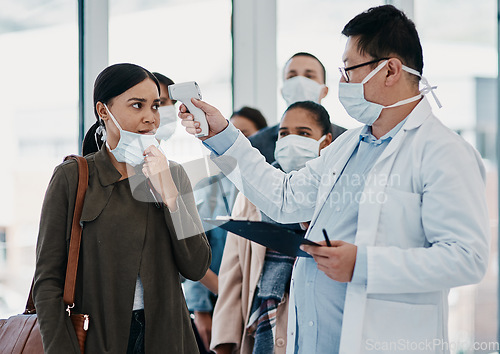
x=20, y=333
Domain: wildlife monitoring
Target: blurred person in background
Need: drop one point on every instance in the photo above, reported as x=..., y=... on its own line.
x=214, y=197
x=248, y=120
x=304, y=79
x=251, y=313
x=168, y=116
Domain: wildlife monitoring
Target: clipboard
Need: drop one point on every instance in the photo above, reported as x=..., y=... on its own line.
x=274, y=236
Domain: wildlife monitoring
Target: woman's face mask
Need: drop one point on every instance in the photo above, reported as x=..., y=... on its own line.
x=168, y=122
x=131, y=146
x=293, y=151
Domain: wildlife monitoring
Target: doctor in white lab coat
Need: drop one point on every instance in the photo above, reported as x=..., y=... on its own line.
x=422, y=217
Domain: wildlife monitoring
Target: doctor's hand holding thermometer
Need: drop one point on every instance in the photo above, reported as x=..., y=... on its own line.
x=215, y=119
x=337, y=261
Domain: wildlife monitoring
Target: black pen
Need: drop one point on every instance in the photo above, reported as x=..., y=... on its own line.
x=326, y=238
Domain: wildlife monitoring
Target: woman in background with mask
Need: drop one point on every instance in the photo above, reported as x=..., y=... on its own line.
x=251, y=313
x=140, y=230
x=215, y=196
x=168, y=115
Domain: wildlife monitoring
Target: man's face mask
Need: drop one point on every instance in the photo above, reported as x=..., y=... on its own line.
x=352, y=97
x=300, y=88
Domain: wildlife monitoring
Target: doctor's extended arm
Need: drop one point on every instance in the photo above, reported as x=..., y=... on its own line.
x=283, y=197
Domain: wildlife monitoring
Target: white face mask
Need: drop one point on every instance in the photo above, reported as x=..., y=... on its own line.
x=293, y=151
x=168, y=122
x=300, y=88
x=131, y=146
x=352, y=97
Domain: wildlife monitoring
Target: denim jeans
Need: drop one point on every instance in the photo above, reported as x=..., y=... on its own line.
x=136, y=337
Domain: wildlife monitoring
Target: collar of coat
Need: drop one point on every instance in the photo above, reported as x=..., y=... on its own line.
x=98, y=194
x=107, y=173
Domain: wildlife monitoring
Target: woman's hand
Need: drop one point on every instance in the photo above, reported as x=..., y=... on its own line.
x=156, y=169
x=216, y=121
x=203, y=323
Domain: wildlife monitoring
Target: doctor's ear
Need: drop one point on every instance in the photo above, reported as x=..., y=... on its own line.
x=395, y=70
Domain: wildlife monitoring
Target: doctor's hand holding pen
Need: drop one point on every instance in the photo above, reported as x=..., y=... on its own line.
x=334, y=258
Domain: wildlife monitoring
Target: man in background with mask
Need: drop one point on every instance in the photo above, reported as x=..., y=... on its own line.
x=403, y=197
x=304, y=79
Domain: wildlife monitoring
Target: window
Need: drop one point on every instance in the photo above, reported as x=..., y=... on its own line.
x=462, y=62
x=39, y=100
x=184, y=48
x=3, y=247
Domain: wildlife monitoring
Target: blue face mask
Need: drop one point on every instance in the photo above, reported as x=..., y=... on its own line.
x=168, y=122
x=352, y=97
x=293, y=151
x=301, y=88
x=131, y=146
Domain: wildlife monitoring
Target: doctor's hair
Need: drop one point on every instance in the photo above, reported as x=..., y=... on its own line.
x=253, y=115
x=384, y=31
x=317, y=111
x=162, y=79
x=112, y=82
x=305, y=54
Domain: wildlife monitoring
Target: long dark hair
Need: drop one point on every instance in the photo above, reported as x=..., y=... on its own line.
x=253, y=115
x=112, y=82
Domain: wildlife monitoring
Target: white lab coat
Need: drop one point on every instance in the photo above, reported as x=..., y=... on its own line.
x=423, y=219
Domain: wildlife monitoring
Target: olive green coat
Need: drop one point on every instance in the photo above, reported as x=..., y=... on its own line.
x=123, y=236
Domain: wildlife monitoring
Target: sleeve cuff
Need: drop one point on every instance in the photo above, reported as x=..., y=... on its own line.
x=359, y=276
x=221, y=142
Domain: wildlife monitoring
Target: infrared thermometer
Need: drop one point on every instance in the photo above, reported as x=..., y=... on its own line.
x=184, y=92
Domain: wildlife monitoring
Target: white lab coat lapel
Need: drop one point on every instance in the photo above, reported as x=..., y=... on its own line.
x=374, y=192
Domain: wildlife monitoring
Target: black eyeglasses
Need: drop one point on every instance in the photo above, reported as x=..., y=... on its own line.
x=344, y=71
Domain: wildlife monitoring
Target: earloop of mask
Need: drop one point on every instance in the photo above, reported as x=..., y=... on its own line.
x=101, y=131
x=427, y=86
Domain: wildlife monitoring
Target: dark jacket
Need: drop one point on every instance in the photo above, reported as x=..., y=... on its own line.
x=122, y=237
x=265, y=140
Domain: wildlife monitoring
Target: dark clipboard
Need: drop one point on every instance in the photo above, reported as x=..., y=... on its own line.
x=276, y=237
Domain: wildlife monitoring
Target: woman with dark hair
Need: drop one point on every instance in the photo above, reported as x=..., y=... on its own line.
x=168, y=115
x=140, y=230
x=250, y=315
x=248, y=120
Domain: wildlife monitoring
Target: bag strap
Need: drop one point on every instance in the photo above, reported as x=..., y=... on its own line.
x=75, y=238
x=76, y=230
